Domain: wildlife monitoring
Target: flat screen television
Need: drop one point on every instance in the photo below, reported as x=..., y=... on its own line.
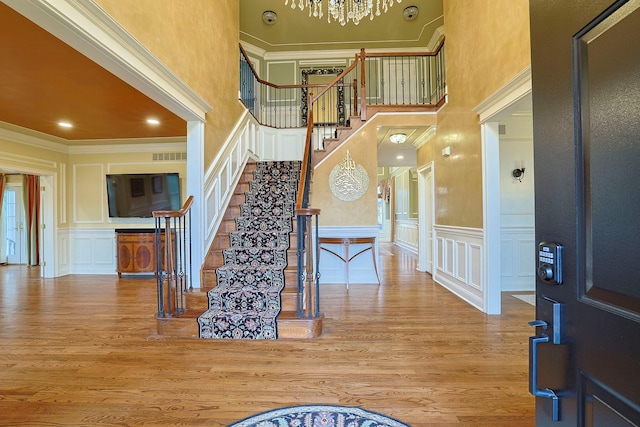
x=137, y=195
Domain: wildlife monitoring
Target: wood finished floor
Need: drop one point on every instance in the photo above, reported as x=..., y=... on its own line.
x=81, y=350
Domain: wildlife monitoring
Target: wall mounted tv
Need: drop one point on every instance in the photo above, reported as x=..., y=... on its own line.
x=138, y=195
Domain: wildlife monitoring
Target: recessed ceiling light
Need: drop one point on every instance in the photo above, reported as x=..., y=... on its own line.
x=398, y=138
x=153, y=121
x=400, y=157
x=65, y=125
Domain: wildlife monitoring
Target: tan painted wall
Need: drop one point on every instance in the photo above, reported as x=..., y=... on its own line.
x=487, y=44
x=335, y=212
x=198, y=40
x=363, y=149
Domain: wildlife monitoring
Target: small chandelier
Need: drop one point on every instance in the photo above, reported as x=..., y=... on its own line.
x=343, y=11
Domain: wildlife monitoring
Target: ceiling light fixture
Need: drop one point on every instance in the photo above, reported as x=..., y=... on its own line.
x=343, y=11
x=269, y=17
x=398, y=138
x=153, y=121
x=410, y=13
x=65, y=125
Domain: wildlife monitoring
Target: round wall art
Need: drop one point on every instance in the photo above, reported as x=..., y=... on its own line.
x=348, y=181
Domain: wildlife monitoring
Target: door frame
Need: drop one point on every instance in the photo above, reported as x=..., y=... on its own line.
x=500, y=104
x=426, y=202
x=48, y=225
x=17, y=188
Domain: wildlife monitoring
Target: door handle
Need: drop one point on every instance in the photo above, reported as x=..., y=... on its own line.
x=533, y=374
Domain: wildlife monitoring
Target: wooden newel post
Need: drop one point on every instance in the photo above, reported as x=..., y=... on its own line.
x=310, y=293
x=363, y=87
x=355, y=97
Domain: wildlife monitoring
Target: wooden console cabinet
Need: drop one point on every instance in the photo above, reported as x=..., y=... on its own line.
x=136, y=250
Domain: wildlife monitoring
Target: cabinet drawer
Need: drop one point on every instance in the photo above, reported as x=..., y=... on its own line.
x=133, y=238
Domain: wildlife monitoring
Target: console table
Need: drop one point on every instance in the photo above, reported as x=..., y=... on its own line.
x=346, y=242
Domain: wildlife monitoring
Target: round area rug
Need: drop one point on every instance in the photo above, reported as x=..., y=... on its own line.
x=319, y=416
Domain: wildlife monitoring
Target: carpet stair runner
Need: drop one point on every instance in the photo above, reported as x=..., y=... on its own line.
x=247, y=298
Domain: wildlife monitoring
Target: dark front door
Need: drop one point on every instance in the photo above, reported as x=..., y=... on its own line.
x=585, y=348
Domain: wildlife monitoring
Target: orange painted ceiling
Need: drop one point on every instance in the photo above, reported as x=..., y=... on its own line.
x=44, y=81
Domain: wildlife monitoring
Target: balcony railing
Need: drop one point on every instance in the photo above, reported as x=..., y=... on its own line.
x=371, y=81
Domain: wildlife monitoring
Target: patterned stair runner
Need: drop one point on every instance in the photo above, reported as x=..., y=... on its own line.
x=246, y=300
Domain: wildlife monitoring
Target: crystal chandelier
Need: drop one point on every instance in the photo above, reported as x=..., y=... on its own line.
x=343, y=11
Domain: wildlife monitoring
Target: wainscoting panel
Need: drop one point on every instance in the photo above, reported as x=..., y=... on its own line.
x=461, y=265
x=282, y=144
x=63, y=252
x=361, y=270
x=517, y=258
x=449, y=256
x=91, y=251
x=459, y=262
x=221, y=178
x=407, y=234
x=249, y=140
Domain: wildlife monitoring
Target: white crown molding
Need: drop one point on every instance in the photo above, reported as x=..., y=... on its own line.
x=253, y=50
x=19, y=135
x=86, y=27
x=33, y=139
x=425, y=137
x=319, y=55
x=438, y=34
x=513, y=91
x=152, y=147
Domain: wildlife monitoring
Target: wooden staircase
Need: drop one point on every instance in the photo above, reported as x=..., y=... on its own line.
x=196, y=301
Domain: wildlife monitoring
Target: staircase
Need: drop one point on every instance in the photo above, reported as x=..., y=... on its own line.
x=223, y=265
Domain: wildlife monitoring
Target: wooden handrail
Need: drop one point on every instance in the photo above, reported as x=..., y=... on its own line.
x=173, y=214
x=335, y=81
x=305, y=164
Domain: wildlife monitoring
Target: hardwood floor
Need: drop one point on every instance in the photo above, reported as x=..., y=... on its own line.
x=82, y=351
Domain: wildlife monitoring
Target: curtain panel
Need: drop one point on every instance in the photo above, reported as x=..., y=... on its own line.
x=3, y=238
x=31, y=192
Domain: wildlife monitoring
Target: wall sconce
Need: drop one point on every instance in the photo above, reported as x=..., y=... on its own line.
x=518, y=172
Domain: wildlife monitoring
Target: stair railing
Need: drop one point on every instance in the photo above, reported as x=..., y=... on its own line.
x=308, y=260
x=173, y=263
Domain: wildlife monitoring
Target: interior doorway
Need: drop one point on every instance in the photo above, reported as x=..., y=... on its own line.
x=13, y=224
x=47, y=226
x=425, y=218
x=511, y=98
